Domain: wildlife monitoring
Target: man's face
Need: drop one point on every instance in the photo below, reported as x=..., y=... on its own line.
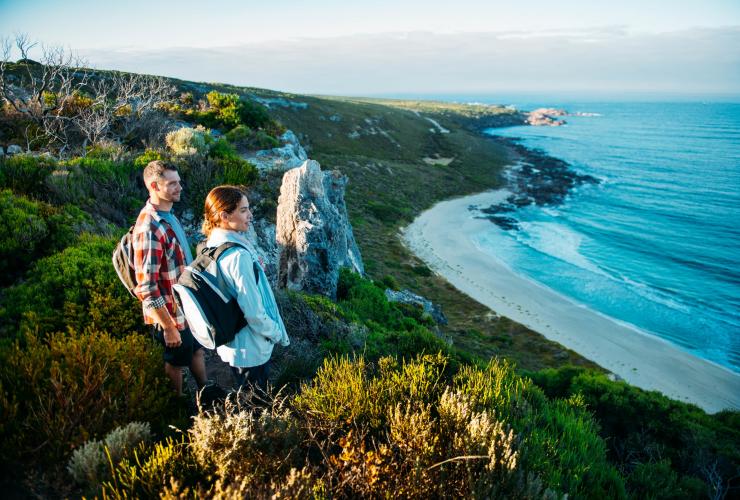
x=169, y=187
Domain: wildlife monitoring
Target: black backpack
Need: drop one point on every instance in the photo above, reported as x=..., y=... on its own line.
x=213, y=316
x=123, y=261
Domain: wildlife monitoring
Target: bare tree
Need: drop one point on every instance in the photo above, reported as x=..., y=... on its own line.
x=43, y=93
x=122, y=105
x=71, y=106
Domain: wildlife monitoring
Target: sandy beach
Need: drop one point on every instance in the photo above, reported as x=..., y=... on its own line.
x=441, y=238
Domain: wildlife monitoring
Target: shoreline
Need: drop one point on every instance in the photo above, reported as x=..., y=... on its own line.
x=440, y=237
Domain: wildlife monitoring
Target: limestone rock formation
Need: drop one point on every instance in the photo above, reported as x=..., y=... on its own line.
x=408, y=297
x=313, y=231
x=290, y=155
x=14, y=149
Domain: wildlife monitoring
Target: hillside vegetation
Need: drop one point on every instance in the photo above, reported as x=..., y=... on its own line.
x=371, y=399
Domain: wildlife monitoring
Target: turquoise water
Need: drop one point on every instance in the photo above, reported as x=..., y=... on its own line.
x=657, y=242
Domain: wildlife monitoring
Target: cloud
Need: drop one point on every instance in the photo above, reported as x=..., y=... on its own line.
x=606, y=59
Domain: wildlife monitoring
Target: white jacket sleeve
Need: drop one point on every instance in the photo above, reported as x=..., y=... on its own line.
x=238, y=270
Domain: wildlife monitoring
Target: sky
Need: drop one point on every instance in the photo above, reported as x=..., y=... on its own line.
x=404, y=47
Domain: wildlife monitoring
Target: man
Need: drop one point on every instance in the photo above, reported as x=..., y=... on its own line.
x=161, y=252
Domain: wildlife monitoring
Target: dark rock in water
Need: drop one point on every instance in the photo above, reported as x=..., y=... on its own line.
x=538, y=179
x=505, y=223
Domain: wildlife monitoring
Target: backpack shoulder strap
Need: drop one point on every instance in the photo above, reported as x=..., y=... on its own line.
x=216, y=252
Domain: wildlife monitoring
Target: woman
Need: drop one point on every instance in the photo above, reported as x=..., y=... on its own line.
x=226, y=219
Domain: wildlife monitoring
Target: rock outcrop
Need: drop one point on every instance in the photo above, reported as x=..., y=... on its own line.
x=408, y=297
x=546, y=117
x=290, y=155
x=14, y=149
x=313, y=231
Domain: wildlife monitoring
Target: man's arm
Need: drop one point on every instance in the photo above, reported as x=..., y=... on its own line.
x=163, y=317
x=148, y=254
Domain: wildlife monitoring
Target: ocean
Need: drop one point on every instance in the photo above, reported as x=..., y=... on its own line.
x=657, y=242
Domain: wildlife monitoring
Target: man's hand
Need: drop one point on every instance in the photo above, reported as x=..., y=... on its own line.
x=172, y=337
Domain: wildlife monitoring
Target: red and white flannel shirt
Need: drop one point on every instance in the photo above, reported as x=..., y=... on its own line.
x=158, y=260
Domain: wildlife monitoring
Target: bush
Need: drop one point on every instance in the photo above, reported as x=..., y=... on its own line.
x=670, y=438
x=33, y=229
x=221, y=148
x=239, y=135
x=147, y=156
x=62, y=391
x=103, y=187
x=387, y=214
x=90, y=462
x=236, y=171
x=26, y=175
x=152, y=469
x=559, y=440
x=245, y=138
x=76, y=288
x=365, y=429
x=188, y=141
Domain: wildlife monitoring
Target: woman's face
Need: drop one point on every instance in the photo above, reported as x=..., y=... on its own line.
x=239, y=219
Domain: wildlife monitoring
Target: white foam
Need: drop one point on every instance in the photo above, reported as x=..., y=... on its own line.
x=556, y=240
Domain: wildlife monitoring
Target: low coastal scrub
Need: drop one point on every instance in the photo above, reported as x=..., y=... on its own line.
x=58, y=392
x=657, y=443
x=26, y=175
x=364, y=429
x=32, y=230
x=73, y=289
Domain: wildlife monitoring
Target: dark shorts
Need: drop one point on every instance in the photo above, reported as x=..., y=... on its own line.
x=181, y=355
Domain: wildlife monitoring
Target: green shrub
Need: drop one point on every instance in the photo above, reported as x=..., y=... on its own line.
x=365, y=429
x=389, y=281
x=221, y=148
x=153, y=469
x=106, y=151
x=103, y=187
x=559, y=440
x=76, y=288
x=360, y=298
x=76, y=386
x=33, y=229
x=239, y=135
x=147, y=156
x=648, y=428
x=657, y=480
x=254, y=115
x=245, y=138
x=263, y=140
x=228, y=111
x=236, y=171
x=26, y=175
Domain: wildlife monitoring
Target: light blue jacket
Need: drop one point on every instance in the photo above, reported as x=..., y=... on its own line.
x=252, y=345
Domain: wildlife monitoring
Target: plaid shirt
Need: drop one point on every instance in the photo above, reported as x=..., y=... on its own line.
x=159, y=260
